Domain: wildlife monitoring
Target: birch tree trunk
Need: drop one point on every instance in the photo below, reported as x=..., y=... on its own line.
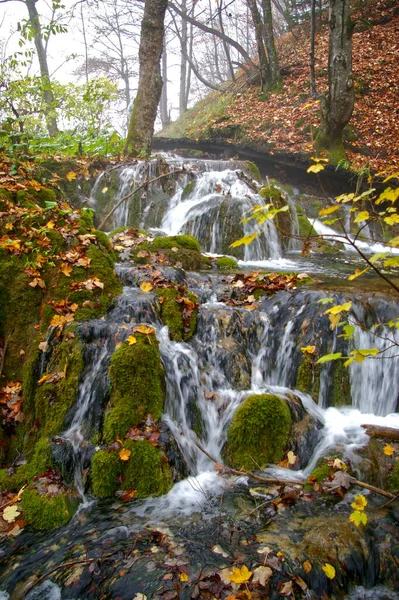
x=141, y=127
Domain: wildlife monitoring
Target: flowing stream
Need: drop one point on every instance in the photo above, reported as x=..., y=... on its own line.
x=235, y=353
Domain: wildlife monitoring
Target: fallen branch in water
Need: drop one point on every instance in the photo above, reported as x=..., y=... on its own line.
x=136, y=190
x=241, y=473
x=388, y=433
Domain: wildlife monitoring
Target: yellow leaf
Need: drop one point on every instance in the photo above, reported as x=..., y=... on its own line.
x=329, y=570
x=124, y=454
x=328, y=211
x=392, y=219
x=50, y=225
x=131, y=340
x=70, y=176
x=362, y=216
x=309, y=349
x=359, y=503
x=146, y=286
x=244, y=241
x=240, y=575
x=66, y=269
x=144, y=329
x=315, y=168
x=9, y=226
x=10, y=513
x=183, y=577
x=291, y=457
x=357, y=274
x=336, y=310
x=358, y=518
x=388, y=450
x=334, y=320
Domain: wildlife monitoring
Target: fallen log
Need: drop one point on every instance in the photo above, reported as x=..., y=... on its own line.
x=388, y=433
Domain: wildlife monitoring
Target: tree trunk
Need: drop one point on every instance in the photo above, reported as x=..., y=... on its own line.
x=313, y=91
x=183, y=60
x=337, y=108
x=163, y=107
x=225, y=45
x=141, y=127
x=269, y=43
x=48, y=96
x=264, y=68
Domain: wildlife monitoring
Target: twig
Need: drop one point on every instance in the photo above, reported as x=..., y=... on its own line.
x=136, y=190
x=386, y=503
x=65, y=566
x=354, y=481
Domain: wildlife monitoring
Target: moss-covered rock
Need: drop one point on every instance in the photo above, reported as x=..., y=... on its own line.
x=46, y=511
x=393, y=482
x=226, y=263
x=258, y=433
x=308, y=377
x=137, y=386
x=172, y=313
x=32, y=196
x=147, y=471
x=13, y=482
x=253, y=170
x=176, y=241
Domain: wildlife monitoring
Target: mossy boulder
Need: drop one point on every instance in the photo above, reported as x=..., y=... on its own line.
x=258, y=433
x=226, y=263
x=176, y=241
x=32, y=196
x=147, y=471
x=137, y=386
x=45, y=511
x=172, y=312
x=393, y=481
x=308, y=377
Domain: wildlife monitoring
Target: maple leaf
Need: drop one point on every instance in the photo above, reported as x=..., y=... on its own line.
x=360, y=502
x=183, y=577
x=308, y=349
x=388, y=450
x=329, y=570
x=262, y=575
x=145, y=329
x=10, y=513
x=358, y=518
x=66, y=269
x=50, y=225
x=70, y=176
x=124, y=454
x=146, y=286
x=240, y=575
x=131, y=340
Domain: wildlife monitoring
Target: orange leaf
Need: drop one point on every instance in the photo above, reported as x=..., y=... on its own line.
x=124, y=454
x=66, y=269
x=70, y=176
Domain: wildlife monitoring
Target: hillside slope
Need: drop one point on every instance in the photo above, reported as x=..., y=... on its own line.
x=286, y=121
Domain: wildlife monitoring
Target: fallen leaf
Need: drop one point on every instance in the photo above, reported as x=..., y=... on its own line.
x=359, y=503
x=388, y=450
x=131, y=340
x=124, y=454
x=70, y=176
x=146, y=286
x=329, y=570
x=262, y=575
x=183, y=577
x=10, y=513
x=307, y=566
x=240, y=575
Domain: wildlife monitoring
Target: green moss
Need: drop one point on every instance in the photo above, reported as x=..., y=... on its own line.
x=176, y=241
x=137, y=386
x=306, y=228
x=253, y=170
x=103, y=239
x=44, y=511
x=118, y=230
x=226, y=263
x=42, y=459
x=188, y=189
x=147, y=471
x=341, y=395
x=270, y=192
x=86, y=219
x=39, y=197
x=5, y=197
x=53, y=400
x=172, y=313
x=393, y=482
x=13, y=483
x=105, y=470
x=308, y=377
x=258, y=432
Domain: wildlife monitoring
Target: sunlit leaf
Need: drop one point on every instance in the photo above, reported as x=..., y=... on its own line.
x=144, y=329
x=240, y=575
x=388, y=450
x=329, y=210
x=124, y=454
x=183, y=577
x=315, y=168
x=391, y=262
x=70, y=176
x=328, y=358
x=357, y=274
x=358, y=518
x=131, y=340
x=329, y=570
x=336, y=310
x=362, y=216
x=146, y=286
x=360, y=502
x=308, y=349
x=244, y=241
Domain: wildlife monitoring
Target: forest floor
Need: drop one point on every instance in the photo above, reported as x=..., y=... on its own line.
x=287, y=120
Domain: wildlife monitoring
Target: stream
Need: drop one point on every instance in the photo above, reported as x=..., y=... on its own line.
x=138, y=549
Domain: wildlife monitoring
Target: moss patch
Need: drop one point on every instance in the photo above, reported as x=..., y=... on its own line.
x=172, y=313
x=137, y=386
x=45, y=511
x=393, y=482
x=147, y=471
x=258, y=432
x=308, y=377
x=176, y=241
x=225, y=263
